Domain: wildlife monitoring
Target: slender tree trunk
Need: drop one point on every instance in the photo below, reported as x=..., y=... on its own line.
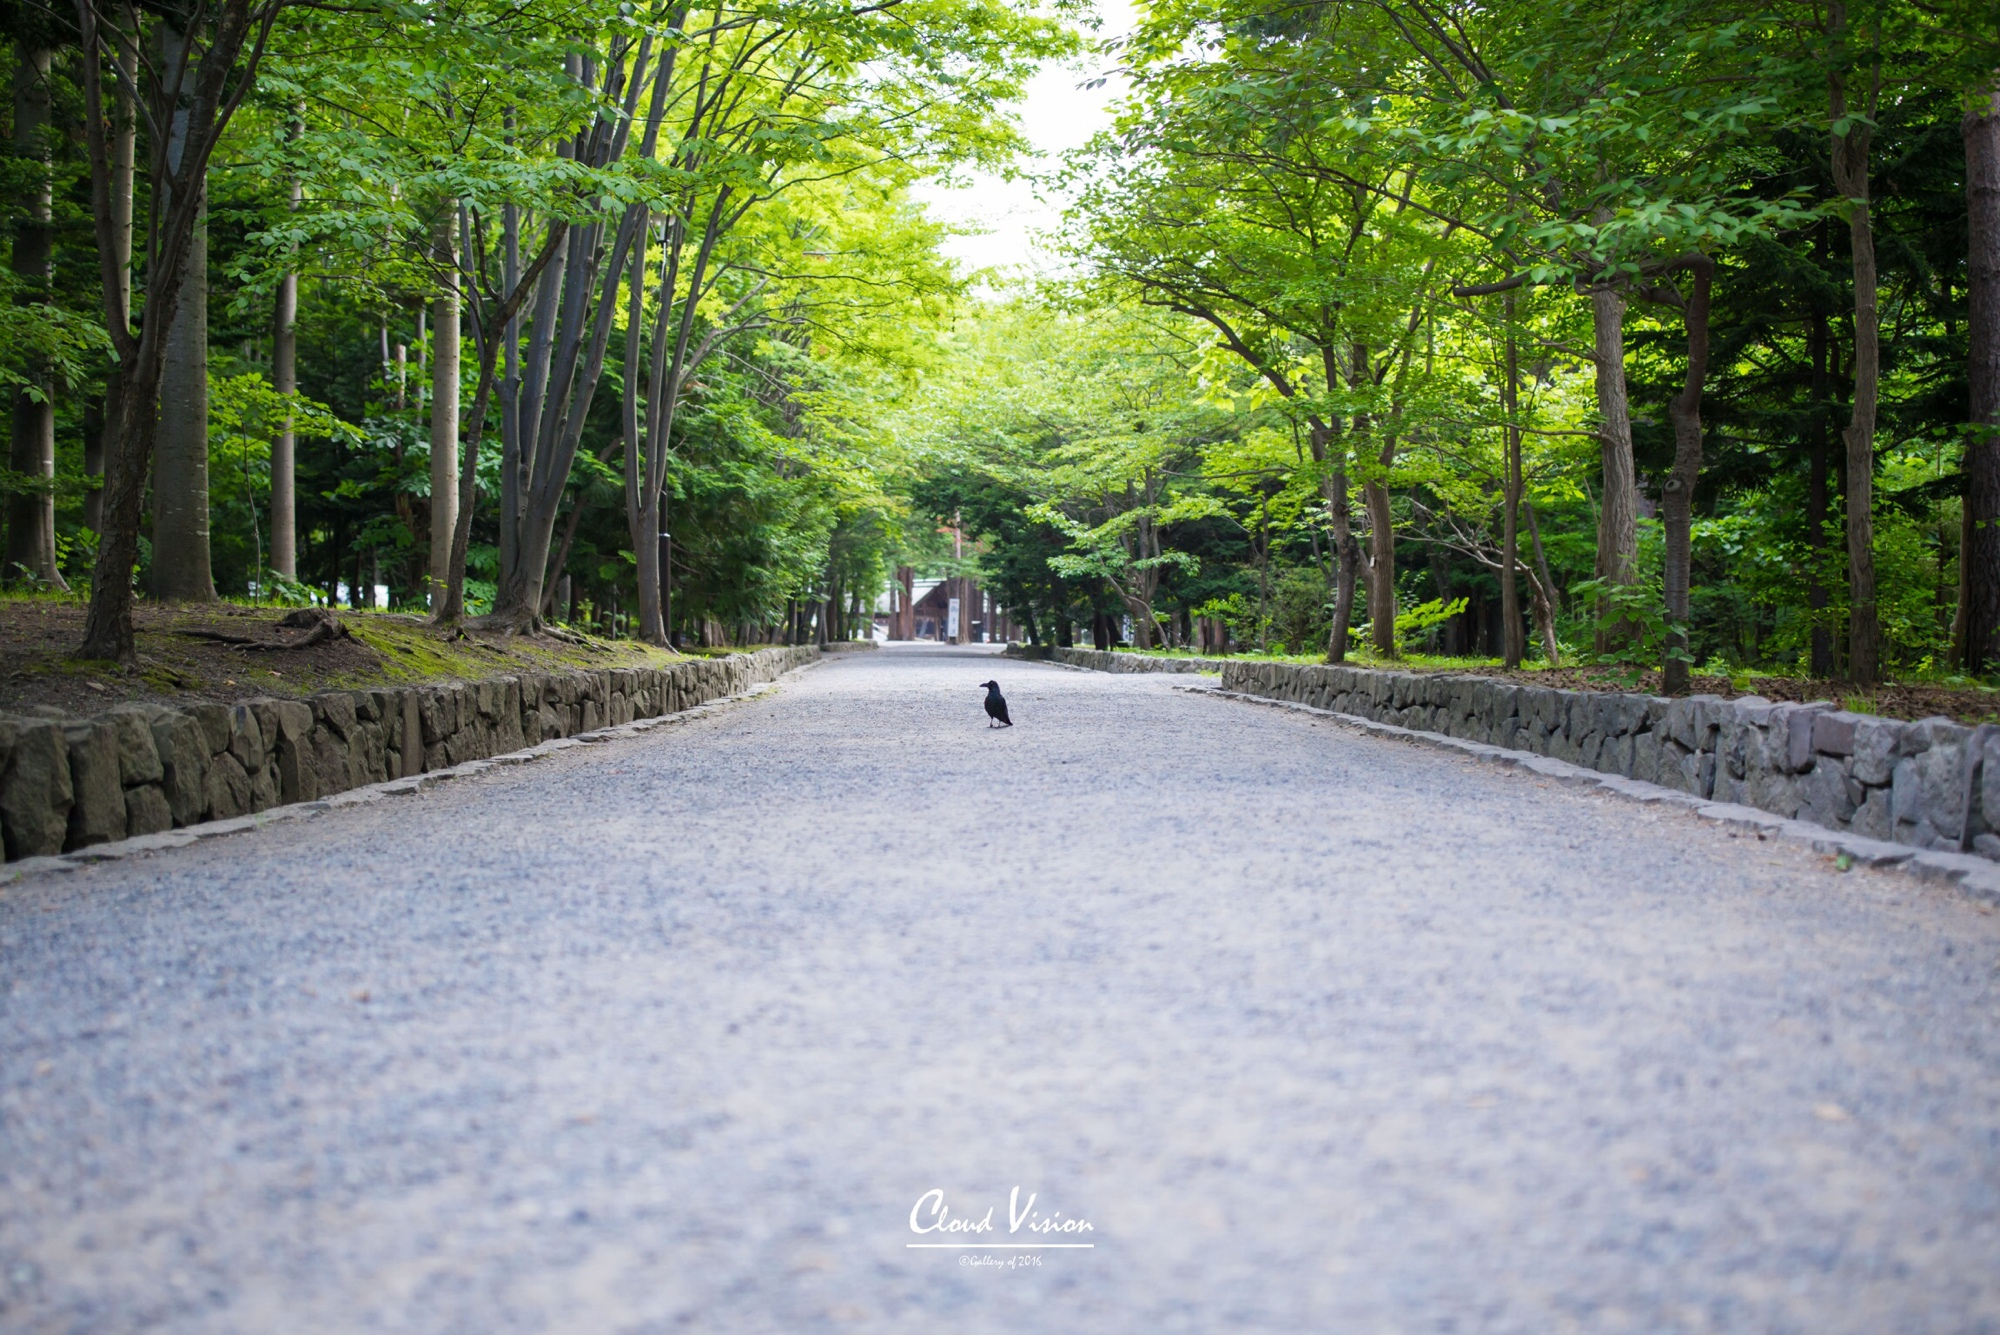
x=284, y=456
x=181, y=571
x=1980, y=591
x=1545, y=595
x=444, y=411
x=1678, y=499
x=1850, y=176
x=31, y=519
x=1263, y=551
x=1821, y=657
x=124, y=140
x=1346, y=550
x=1381, y=526
x=642, y=497
x=1618, y=513
x=285, y=379
x=1510, y=500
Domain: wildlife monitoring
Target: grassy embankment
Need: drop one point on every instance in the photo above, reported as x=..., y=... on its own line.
x=1913, y=696
x=39, y=632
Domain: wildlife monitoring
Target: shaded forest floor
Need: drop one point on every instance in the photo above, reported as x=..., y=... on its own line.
x=177, y=664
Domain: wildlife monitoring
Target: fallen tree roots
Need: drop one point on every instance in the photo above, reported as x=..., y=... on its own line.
x=320, y=625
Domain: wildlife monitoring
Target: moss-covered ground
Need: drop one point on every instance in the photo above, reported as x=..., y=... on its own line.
x=39, y=633
x=1958, y=698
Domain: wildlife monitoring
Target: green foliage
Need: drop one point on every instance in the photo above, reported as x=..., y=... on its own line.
x=1415, y=622
x=1629, y=619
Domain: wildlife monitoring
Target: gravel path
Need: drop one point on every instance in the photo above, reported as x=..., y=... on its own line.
x=1320, y=1032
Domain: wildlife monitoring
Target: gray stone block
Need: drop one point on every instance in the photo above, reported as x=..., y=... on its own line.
x=336, y=710
x=184, y=753
x=1753, y=710
x=1679, y=723
x=1833, y=731
x=213, y=720
x=1770, y=790
x=97, y=814
x=1874, y=816
x=1710, y=713
x=1826, y=796
x=367, y=754
x=1801, y=728
x=1941, y=778
x=1877, y=744
x=246, y=738
x=294, y=719
x=1906, y=794
x=1989, y=780
x=1625, y=715
x=1921, y=834
x=146, y=810
x=328, y=755
x=264, y=789
x=1646, y=757
x=298, y=775
x=35, y=790
x=138, y=754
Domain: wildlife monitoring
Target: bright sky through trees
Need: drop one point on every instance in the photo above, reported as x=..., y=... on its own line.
x=1059, y=113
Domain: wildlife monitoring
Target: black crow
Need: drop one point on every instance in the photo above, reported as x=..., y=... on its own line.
x=996, y=705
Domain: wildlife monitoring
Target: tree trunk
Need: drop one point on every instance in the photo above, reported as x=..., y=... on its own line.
x=199, y=108
x=31, y=518
x=1678, y=498
x=1347, y=551
x=444, y=414
x=1980, y=594
x=181, y=571
x=1821, y=657
x=1510, y=500
x=1850, y=177
x=123, y=146
x=95, y=414
x=1618, y=514
x=1381, y=525
x=285, y=379
x=1545, y=592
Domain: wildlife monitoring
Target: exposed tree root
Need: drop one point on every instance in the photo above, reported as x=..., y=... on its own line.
x=320, y=625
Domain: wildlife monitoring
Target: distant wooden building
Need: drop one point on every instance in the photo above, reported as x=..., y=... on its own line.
x=947, y=611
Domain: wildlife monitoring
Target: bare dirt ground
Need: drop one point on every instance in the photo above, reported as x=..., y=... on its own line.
x=1317, y=1030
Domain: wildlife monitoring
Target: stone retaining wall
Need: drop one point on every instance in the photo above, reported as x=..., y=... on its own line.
x=67, y=783
x=1099, y=660
x=1919, y=784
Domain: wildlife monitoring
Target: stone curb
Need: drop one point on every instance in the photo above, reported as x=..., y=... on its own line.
x=1974, y=875
x=182, y=836
x=1099, y=660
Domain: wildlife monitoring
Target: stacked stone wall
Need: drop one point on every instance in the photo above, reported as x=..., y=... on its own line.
x=67, y=783
x=1099, y=660
x=1921, y=784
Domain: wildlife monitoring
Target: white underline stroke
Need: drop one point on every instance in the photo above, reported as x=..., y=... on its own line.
x=1005, y=1246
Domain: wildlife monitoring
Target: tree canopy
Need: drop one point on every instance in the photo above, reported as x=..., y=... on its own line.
x=1662, y=335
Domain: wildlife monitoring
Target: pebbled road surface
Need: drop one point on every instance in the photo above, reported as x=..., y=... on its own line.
x=1320, y=1032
